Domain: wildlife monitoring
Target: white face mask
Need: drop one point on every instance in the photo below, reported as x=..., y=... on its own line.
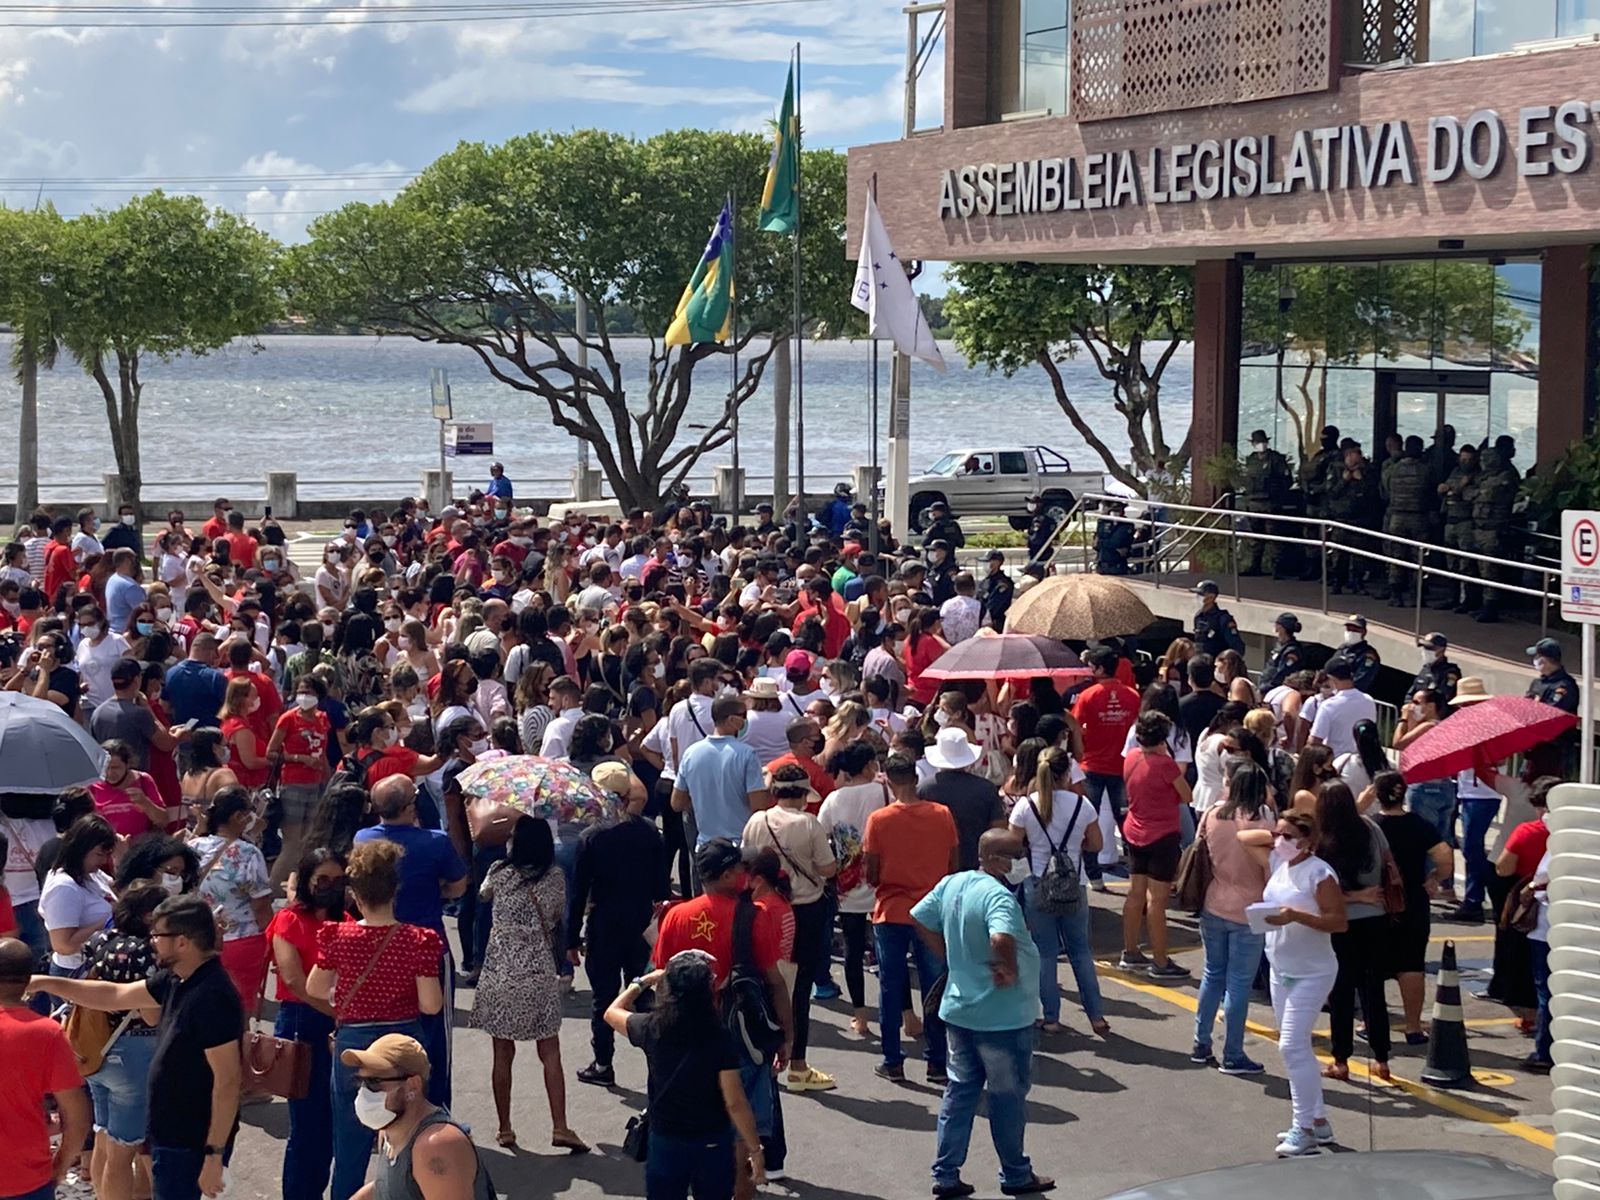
x=403, y=642
x=1425, y=655
x=1539, y=664
x=479, y=746
x=941, y=718
x=381, y=739
x=327, y=629
x=372, y=1110
x=390, y=539
x=659, y=670
x=163, y=615
x=1352, y=636
x=1286, y=847
x=392, y=624
x=305, y=701
x=333, y=557
x=172, y=884
x=127, y=518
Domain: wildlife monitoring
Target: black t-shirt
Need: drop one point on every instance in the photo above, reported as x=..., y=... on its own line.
x=685, y=1094
x=1410, y=839
x=975, y=804
x=620, y=870
x=197, y=1014
x=1196, y=711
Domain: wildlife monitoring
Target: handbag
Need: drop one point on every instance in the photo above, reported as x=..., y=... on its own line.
x=1521, y=911
x=92, y=1036
x=1392, y=886
x=636, y=1133
x=489, y=823
x=1195, y=873
x=274, y=1065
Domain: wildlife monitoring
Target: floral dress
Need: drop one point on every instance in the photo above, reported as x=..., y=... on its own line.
x=519, y=993
x=238, y=877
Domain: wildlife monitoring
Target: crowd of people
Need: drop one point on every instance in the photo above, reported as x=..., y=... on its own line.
x=791, y=795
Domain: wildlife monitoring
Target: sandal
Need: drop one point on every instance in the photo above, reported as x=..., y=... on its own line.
x=1051, y=1028
x=1101, y=1028
x=565, y=1139
x=1336, y=1070
x=506, y=1138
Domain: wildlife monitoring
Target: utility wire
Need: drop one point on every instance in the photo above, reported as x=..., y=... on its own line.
x=316, y=18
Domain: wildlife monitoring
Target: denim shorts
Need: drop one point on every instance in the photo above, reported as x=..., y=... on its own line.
x=121, y=1088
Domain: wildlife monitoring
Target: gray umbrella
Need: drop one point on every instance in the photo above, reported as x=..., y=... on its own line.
x=42, y=750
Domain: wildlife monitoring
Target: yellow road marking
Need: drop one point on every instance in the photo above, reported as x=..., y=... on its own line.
x=1452, y=1104
x=1471, y=937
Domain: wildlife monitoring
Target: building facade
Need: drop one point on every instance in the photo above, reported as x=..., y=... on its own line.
x=1391, y=205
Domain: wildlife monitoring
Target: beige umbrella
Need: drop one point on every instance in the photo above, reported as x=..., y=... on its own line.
x=1084, y=608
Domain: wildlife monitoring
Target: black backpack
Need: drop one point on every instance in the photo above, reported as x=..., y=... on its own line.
x=746, y=1004
x=354, y=768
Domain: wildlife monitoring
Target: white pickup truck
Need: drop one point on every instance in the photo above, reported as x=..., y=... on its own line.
x=998, y=482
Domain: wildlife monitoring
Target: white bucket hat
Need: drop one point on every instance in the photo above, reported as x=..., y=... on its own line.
x=951, y=751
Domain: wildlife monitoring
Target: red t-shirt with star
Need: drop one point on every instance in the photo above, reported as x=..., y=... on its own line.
x=706, y=923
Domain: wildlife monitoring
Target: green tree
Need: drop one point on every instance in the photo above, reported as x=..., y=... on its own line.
x=1007, y=316
x=30, y=243
x=158, y=277
x=474, y=250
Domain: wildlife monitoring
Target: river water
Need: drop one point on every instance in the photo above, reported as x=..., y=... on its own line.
x=357, y=408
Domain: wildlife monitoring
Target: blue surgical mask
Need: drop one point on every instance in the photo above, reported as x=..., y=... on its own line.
x=145, y=628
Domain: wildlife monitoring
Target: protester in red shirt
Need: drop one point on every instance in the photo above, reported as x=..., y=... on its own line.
x=318, y=899
x=821, y=601
x=59, y=564
x=265, y=718
x=247, y=753
x=218, y=524
x=805, y=741
x=39, y=1064
x=300, y=742
x=241, y=546
x=1156, y=790
x=1105, y=710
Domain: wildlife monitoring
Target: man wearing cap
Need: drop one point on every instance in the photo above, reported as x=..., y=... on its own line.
x=1113, y=540
x=1339, y=714
x=941, y=583
x=393, y=1077
x=1266, y=487
x=1436, y=672
x=995, y=591
x=1215, y=630
x=1359, y=653
x=973, y=801
x=942, y=526
x=1042, y=528
x=765, y=525
x=835, y=515
x=1554, y=685
x=1287, y=657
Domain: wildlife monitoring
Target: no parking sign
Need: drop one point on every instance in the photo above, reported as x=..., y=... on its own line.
x=1580, y=567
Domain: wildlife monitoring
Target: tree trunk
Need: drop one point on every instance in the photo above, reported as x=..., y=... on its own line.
x=28, y=435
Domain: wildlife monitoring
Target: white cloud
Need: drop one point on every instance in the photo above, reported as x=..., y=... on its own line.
x=828, y=113
x=501, y=83
x=284, y=209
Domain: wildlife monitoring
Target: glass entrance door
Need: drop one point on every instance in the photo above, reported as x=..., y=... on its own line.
x=1421, y=406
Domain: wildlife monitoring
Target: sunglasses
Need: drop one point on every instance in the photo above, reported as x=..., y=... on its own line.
x=376, y=1083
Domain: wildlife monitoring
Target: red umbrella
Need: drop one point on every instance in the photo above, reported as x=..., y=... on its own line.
x=1007, y=656
x=1487, y=732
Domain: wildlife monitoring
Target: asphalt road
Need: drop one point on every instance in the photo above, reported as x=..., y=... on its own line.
x=1104, y=1114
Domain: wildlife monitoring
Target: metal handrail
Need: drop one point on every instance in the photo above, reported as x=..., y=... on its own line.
x=1321, y=543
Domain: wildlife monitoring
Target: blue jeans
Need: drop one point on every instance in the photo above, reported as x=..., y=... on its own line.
x=1435, y=803
x=894, y=943
x=44, y=1192
x=30, y=928
x=437, y=1029
x=567, y=860
x=678, y=1166
x=1103, y=788
x=353, y=1141
x=175, y=1172
x=308, y=1154
x=1476, y=817
x=120, y=1089
x=760, y=1088
x=1053, y=934
x=1001, y=1064
x=1232, y=955
x=1186, y=827
x=1540, y=953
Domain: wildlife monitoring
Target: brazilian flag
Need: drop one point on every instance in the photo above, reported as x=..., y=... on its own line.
x=780, y=198
x=705, y=313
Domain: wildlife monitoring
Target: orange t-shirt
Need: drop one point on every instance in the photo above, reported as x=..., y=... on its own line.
x=1106, y=710
x=912, y=843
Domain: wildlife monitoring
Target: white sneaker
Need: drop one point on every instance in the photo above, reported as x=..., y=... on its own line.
x=1322, y=1129
x=1297, y=1143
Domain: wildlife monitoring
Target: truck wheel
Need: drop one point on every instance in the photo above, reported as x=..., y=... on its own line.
x=1020, y=524
x=919, y=509
x=1056, y=506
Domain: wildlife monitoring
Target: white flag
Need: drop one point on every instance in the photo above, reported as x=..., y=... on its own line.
x=883, y=291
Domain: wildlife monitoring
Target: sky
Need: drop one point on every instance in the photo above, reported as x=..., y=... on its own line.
x=351, y=106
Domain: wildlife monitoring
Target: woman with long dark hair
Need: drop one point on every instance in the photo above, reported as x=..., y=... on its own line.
x=1423, y=858
x=1362, y=765
x=76, y=899
x=1354, y=847
x=519, y=995
x=233, y=881
x=696, y=1099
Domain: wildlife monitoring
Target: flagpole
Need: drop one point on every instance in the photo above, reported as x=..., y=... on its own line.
x=799, y=319
x=872, y=533
x=733, y=326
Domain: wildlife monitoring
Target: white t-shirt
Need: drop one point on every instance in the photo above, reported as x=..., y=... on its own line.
x=767, y=734
x=1070, y=818
x=1177, y=742
x=1470, y=787
x=1298, y=950
x=84, y=545
x=844, y=818
x=67, y=904
x=172, y=573
x=689, y=722
x=558, y=734
x=94, y=666
x=658, y=742
x=1337, y=717
x=27, y=838
x=1210, y=783
x=1541, y=880
x=1353, y=772
x=596, y=598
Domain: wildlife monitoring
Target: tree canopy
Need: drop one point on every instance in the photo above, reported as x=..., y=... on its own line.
x=472, y=252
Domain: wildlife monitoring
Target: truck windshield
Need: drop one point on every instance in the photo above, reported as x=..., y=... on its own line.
x=946, y=465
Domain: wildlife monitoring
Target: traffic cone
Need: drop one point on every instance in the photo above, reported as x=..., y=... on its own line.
x=1449, y=1063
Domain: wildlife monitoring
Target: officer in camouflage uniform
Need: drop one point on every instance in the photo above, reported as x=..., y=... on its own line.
x=1410, y=502
x=1316, y=477
x=1352, y=499
x=1266, y=487
x=1492, y=495
x=1393, y=452
x=1442, y=454
x=1457, y=534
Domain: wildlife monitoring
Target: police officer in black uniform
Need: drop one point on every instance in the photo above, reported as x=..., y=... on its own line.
x=1437, y=673
x=941, y=583
x=995, y=591
x=1215, y=630
x=1555, y=685
x=1041, y=528
x=1287, y=657
x=1364, y=660
x=765, y=525
x=942, y=527
x=1113, y=540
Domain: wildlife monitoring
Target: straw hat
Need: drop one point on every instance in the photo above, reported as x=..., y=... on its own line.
x=1470, y=691
x=763, y=687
